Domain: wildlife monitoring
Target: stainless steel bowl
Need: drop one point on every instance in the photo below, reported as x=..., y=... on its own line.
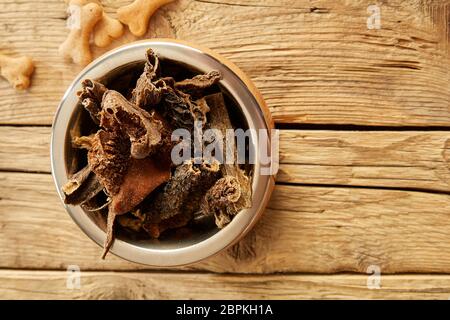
x=172, y=252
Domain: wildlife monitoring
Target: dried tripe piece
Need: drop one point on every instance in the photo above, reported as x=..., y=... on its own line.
x=233, y=175
x=144, y=129
x=76, y=46
x=180, y=107
x=108, y=158
x=148, y=91
x=145, y=134
x=197, y=84
x=177, y=105
x=91, y=97
x=142, y=177
x=81, y=187
x=182, y=111
x=223, y=199
x=137, y=14
x=189, y=177
x=17, y=70
x=175, y=204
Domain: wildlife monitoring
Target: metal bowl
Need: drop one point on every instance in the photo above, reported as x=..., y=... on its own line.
x=168, y=252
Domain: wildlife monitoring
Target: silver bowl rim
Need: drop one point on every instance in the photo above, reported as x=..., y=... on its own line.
x=262, y=185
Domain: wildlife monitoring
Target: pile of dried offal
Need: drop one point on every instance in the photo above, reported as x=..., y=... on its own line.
x=128, y=157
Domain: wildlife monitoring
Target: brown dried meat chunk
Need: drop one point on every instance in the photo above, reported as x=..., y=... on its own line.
x=81, y=187
x=76, y=180
x=91, y=98
x=174, y=206
x=142, y=177
x=177, y=108
x=143, y=128
x=182, y=111
x=188, y=178
x=222, y=200
x=199, y=110
x=219, y=119
x=108, y=158
x=149, y=90
x=197, y=84
x=109, y=232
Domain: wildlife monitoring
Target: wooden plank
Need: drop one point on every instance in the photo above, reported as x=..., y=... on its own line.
x=25, y=148
x=132, y=285
x=369, y=158
x=304, y=229
x=373, y=158
x=315, y=62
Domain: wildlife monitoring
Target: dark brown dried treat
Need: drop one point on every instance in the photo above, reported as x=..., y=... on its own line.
x=149, y=90
x=109, y=232
x=174, y=206
x=109, y=158
x=143, y=128
x=197, y=84
x=91, y=98
x=142, y=177
x=189, y=177
x=219, y=119
x=222, y=199
x=177, y=109
x=200, y=109
x=182, y=111
x=81, y=187
x=76, y=180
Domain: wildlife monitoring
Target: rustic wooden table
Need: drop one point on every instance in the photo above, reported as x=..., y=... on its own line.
x=364, y=180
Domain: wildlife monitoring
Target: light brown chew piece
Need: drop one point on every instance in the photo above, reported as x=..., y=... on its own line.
x=17, y=70
x=106, y=30
x=137, y=14
x=76, y=46
x=81, y=2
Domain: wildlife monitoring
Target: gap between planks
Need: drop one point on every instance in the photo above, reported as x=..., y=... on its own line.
x=403, y=160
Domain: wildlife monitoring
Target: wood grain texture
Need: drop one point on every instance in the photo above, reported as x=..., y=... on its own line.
x=304, y=229
x=25, y=149
x=131, y=285
x=373, y=158
x=314, y=61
